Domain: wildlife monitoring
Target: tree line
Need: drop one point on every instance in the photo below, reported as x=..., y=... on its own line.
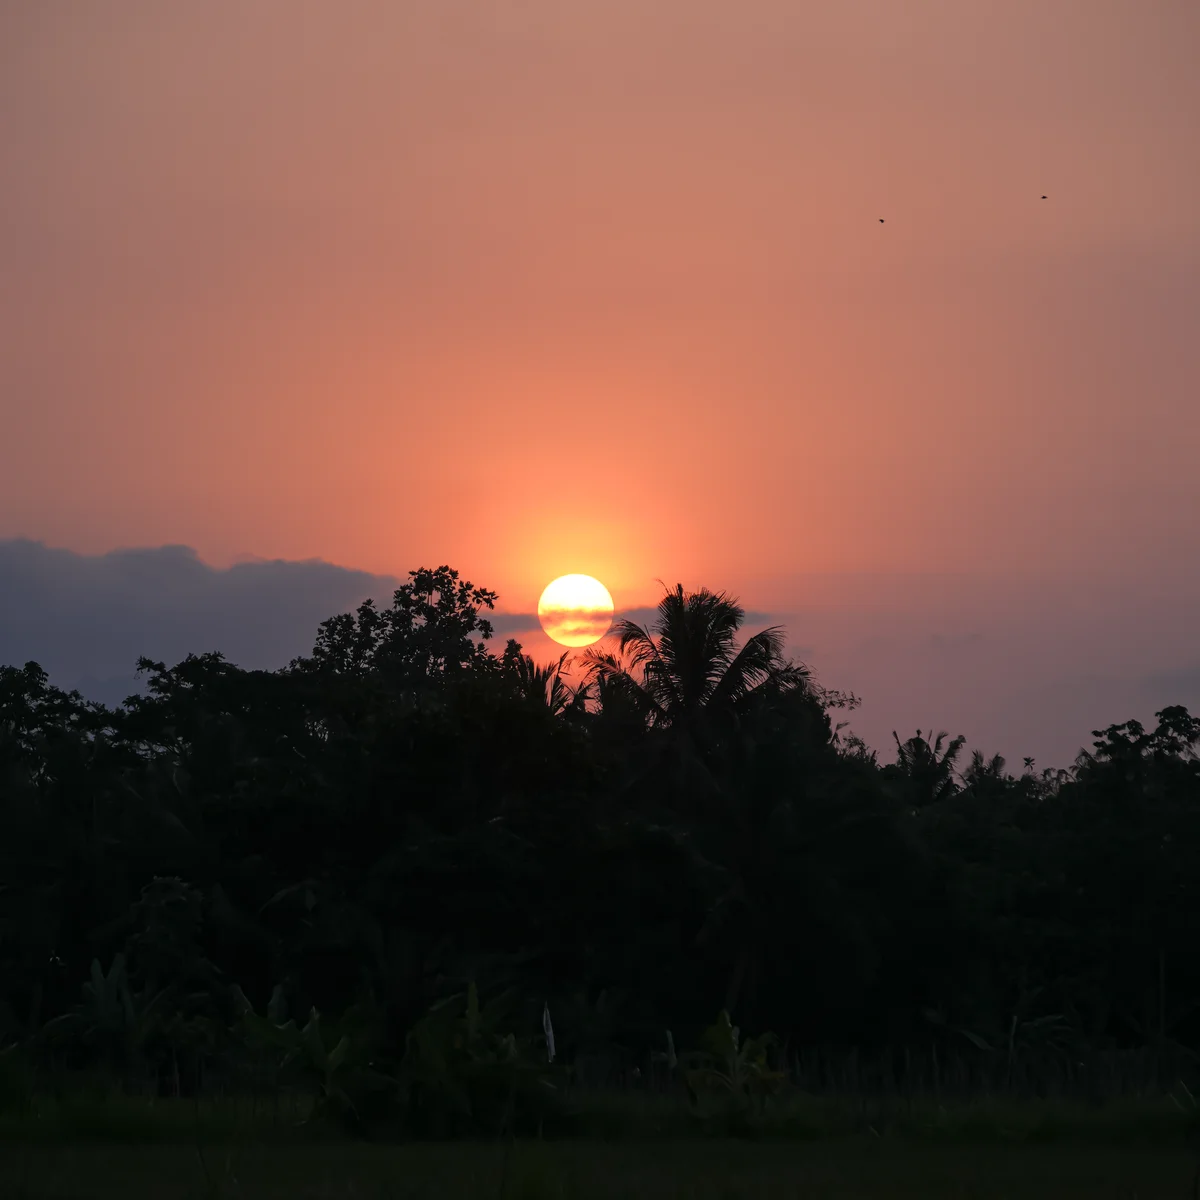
x=405, y=815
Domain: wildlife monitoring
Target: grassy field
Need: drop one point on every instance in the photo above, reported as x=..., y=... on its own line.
x=610, y=1144
x=79, y=1116
x=847, y=1170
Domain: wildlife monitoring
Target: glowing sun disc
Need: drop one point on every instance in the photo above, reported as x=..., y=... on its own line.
x=575, y=610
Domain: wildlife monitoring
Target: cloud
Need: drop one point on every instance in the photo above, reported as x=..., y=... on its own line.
x=1020, y=663
x=87, y=618
x=1181, y=686
x=506, y=624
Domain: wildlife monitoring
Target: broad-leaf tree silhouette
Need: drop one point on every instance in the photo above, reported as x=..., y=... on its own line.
x=432, y=629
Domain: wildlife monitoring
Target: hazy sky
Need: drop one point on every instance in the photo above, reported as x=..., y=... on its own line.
x=539, y=286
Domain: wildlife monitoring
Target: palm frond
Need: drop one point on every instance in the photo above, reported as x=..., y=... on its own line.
x=759, y=659
x=612, y=677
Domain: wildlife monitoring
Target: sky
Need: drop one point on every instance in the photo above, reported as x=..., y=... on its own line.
x=538, y=287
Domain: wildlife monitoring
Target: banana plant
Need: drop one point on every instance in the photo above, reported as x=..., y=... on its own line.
x=335, y=1062
x=459, y=1068
x=112, y=1019
x=729, y=1065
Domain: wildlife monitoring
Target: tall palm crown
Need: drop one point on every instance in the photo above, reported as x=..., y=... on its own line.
x=928, y=768
x=687, y=661
x=543, y=686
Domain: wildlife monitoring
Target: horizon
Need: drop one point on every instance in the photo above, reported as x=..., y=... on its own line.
x=953, y=651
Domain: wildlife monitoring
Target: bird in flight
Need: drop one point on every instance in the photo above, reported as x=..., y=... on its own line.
x=1043, y=197
x=881, y=220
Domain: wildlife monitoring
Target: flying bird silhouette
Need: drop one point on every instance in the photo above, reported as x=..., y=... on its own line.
x=881, y=220
x=1043, y=197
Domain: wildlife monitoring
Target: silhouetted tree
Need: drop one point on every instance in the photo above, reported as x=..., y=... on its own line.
x=926, y=768
x=687, y=663
x=433, y=629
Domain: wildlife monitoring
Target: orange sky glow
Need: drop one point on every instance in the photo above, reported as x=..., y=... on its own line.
x=541, y=287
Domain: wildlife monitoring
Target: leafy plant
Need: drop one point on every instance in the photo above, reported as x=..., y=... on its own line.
x=16, y=1078
x=112, y=1023
x=730, y=1066
x=461, y=1073
x=334, y=1063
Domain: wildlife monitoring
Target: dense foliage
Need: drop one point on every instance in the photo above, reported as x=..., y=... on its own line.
x=404, y=813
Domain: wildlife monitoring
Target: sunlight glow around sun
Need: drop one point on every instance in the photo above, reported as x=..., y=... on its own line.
x=575, y=610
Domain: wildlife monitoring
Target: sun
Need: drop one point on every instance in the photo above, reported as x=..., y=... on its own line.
x=575, y=610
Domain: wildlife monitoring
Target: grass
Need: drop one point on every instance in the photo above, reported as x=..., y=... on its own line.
x=112, y=1117
x=86, y=1143
x=78, y=1116
x=851, y=1169
x=799, y=1117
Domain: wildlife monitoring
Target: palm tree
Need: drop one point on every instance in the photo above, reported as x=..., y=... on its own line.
x=928, y=767
x=983, y=769
x=546, y=687
x=684, y=674
x=686, y=664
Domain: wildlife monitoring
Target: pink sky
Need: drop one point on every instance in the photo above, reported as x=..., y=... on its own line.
x=540, y=287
